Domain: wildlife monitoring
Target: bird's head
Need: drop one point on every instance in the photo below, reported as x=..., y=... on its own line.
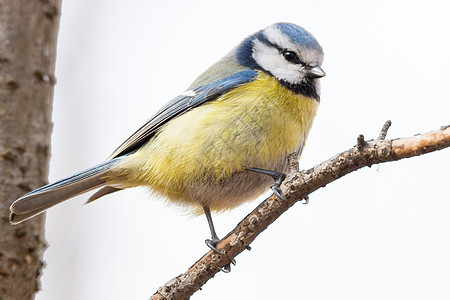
x=289, y=53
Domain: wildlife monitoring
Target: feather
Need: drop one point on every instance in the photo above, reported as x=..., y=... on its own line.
x=180, y=105
x=102, y=192
x=37, y=201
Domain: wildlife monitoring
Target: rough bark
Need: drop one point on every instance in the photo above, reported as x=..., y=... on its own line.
x=28, y=33
x=297, y=186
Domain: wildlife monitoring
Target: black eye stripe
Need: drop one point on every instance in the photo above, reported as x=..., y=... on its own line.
x=289, y=55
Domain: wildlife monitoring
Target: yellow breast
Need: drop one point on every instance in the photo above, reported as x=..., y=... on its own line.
x=201, y=156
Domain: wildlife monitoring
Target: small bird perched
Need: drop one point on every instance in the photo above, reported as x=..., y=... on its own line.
x=220, y=143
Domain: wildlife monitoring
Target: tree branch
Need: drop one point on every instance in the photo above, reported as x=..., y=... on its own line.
x=297, y=186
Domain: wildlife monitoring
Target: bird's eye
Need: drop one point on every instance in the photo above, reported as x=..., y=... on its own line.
x=290, y=56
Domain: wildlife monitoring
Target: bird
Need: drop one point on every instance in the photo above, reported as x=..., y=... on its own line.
x=222, y=142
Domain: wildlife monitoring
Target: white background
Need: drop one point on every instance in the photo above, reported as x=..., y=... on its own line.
x=379, y=233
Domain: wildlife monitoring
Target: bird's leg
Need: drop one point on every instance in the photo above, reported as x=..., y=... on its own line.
x=277, y=176
x=211, y=243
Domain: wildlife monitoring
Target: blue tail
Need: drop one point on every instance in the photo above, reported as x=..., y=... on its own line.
x=39, y=200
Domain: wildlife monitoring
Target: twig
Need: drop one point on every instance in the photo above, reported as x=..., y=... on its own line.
x=296, y=187
x=360, y=142
x=384, y=130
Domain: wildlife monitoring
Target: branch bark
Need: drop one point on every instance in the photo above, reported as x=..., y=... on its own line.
x=296, y=187
x=28, y=33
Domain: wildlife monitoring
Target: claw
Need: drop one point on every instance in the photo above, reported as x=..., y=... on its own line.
x=306, y=200
x=212, y=245
x=227, y=268
x=277, y=176
x=277, y=191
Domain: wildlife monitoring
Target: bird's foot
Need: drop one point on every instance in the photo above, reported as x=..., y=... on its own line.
x=305, y=200
x=277, y=191
x=276, y=186
x=212, y=245
x=277, y=176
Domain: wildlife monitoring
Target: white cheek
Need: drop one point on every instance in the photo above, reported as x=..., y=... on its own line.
x=271, y=60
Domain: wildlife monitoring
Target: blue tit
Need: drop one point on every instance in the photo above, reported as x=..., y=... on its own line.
x=222, y=142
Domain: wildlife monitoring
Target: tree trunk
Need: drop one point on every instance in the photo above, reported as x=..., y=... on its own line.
x=28, y=33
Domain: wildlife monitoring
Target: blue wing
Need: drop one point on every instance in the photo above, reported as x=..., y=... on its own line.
x=180, y=105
